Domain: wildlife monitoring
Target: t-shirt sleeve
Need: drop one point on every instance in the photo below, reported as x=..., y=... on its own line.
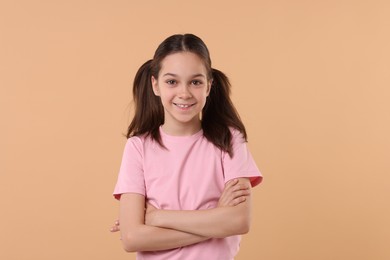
x=131, y=173
x=241, y=165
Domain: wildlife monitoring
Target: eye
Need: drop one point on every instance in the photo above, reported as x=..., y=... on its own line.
x=196, y=82
x=171, y=82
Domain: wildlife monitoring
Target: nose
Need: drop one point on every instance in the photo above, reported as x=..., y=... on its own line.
x=184, y=92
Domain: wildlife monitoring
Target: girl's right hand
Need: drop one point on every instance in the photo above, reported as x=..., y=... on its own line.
x=115, y=227
x=233, y=194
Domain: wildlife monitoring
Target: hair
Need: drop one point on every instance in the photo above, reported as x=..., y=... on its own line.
x=218, y=114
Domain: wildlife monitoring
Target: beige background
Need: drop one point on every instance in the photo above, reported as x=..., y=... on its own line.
x=310, y=79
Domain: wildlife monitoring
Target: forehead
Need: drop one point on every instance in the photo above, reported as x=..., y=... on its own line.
x=183, y=64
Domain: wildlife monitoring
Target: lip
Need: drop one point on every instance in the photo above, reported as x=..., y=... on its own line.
x=184, y=106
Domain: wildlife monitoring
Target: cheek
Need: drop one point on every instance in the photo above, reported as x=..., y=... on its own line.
x=202, y=98
x=166, y=97
x=205, y=94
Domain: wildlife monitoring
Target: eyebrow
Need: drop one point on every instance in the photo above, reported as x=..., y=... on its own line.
x=193, y=76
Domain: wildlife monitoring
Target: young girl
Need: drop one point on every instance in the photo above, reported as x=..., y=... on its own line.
x=186, y=173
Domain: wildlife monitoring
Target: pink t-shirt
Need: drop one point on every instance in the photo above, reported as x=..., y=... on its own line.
x=189, y=175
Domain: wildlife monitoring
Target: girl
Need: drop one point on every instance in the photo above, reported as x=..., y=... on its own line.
x=186, y=173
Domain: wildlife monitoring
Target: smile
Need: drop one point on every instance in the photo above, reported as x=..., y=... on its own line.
x=183, y=105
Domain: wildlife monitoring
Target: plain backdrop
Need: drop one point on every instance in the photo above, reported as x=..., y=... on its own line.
x=310, y=79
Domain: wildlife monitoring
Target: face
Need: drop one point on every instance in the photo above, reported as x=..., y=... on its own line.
x=183, y=87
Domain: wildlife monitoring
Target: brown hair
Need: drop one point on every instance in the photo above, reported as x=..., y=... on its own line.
x=218, y=114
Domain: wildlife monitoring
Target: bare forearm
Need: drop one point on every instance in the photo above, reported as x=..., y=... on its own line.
x=136, y=236
x=217, y=223
x=148, y=238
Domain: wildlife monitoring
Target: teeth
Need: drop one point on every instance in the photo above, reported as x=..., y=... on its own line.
x=183, y=106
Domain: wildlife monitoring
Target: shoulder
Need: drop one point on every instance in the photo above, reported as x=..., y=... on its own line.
x=237, y=136
x=134, y=144
x=135, y=140
x=141, y=143
x=237, y=141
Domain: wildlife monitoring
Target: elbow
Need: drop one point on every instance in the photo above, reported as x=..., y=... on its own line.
x=245, y=228
x=129, y=243
x=128, y=247
x=238, y=226
x=243, y=225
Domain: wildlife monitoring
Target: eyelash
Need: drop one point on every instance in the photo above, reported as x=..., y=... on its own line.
x=194, y=82
x=171, y=82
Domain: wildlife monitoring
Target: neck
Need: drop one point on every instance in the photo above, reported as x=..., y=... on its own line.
x=182, y=129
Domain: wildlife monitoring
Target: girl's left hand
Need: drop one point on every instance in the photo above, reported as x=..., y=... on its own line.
x=234, y=193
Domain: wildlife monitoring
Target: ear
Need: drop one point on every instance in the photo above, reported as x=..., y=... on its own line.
x=155, y=87
x=210, y=83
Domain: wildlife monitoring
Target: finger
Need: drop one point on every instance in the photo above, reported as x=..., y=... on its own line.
x=114, y=229
x=237, y=201
x=240, y=186
x=236, y=197
x=231, y=183
x=240, y=193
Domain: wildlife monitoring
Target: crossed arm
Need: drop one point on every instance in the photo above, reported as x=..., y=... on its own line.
x=155, y=229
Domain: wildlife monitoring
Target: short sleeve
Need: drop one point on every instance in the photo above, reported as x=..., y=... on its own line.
x=131, y=174
x=241, y=165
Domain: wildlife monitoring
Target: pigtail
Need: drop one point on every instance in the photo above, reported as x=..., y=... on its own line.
x=149, y=112
x=219, y=114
